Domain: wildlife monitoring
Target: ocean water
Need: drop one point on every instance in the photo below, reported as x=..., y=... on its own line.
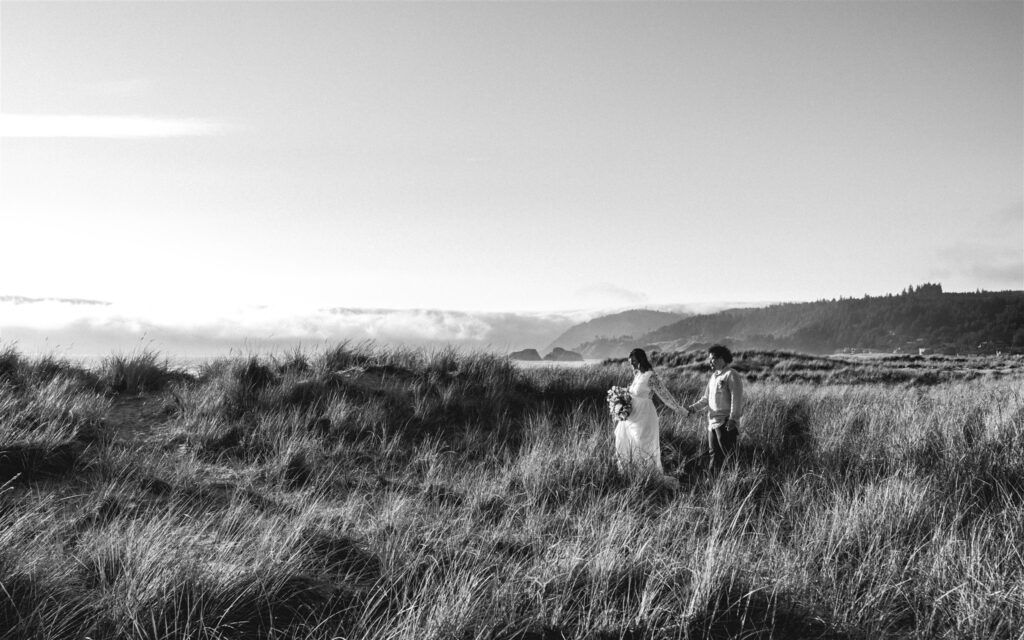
x=548, y=364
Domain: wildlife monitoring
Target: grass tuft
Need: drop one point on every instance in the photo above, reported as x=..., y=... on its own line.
x=136, y=372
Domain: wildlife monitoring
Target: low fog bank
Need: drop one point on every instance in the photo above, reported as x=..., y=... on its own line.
x=80, y=329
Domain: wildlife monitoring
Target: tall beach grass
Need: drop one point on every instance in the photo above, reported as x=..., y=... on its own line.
x=370, y=492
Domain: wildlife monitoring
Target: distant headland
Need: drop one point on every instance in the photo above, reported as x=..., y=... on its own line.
x=557, y=354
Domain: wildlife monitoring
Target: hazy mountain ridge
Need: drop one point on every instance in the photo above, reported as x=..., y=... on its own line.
x=918, y=318
x=633, y=322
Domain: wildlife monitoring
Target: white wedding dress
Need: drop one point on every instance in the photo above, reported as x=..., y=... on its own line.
x=637, y=444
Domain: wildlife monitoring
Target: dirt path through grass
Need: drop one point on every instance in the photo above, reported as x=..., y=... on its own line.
x=138, y=418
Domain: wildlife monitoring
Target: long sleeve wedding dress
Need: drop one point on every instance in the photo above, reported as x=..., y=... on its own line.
x=637, y=443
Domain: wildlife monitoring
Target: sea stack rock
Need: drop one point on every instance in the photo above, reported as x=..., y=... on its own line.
x=531, y=355
x=563, y=355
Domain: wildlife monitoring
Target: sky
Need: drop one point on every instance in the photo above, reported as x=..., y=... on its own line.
x=523, y=157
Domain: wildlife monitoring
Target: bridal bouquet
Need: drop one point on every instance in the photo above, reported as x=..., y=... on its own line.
x=620, y=403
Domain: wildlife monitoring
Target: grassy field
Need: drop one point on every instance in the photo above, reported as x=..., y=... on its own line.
x=365, y=492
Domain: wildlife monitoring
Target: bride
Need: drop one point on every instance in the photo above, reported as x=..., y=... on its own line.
x=636, y=438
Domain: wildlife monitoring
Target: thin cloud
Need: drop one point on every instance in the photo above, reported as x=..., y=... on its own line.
x=993, y=259
x=985, y=266
x=605, y=294
x=14, y=125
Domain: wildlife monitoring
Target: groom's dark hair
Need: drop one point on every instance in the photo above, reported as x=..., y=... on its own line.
x=641, y=360
x=719, y=351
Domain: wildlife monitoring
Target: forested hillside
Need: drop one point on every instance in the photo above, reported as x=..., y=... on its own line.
x=918, y=318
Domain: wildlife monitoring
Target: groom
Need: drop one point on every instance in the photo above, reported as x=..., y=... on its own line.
x=723, y=399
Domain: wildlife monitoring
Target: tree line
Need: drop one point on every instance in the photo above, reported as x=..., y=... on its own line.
x=921, y=317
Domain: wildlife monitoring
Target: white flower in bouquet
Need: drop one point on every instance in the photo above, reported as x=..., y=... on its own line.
x=620, y=403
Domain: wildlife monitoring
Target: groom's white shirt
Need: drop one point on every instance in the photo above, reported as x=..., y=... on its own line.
x=723, y=398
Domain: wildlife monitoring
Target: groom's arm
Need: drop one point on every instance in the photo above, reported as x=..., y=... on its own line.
x=701, y=403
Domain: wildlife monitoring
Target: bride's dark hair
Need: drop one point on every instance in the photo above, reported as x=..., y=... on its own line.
x=642, y=363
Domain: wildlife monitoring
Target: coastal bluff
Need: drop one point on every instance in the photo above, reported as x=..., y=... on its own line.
x=528, y=355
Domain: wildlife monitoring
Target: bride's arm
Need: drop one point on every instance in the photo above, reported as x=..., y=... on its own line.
x=666, y=396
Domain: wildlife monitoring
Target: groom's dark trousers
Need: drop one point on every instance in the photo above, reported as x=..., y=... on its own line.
x=722, y=443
